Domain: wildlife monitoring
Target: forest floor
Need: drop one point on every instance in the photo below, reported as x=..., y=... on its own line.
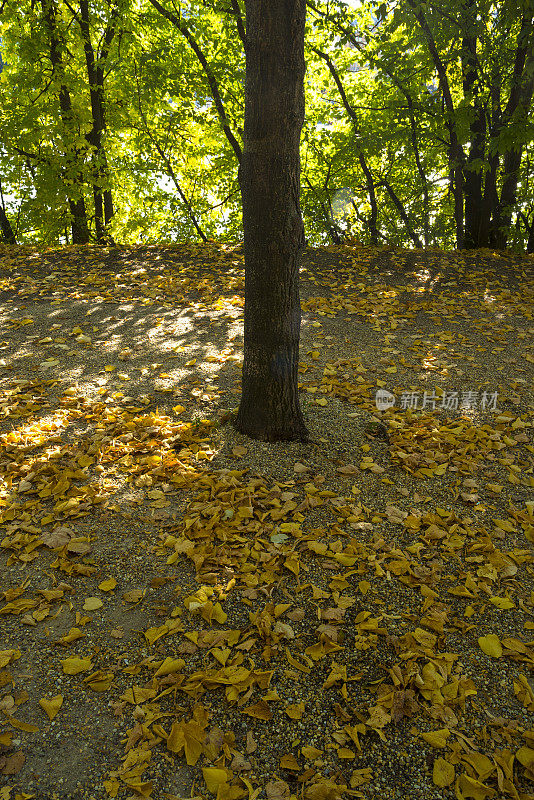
x=188, y=613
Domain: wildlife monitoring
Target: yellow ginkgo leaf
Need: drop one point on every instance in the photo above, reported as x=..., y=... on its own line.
x=214, y=778
x=109, y=368
x=437, y=738
x=310, y=752
x=525, y=756
x=289, y=761
x=51, y=705
x=295, y=711
x=491, y=645
x=443, y=773
x=75, y=664
x=169, y=666
x=108, y=585
x=92, y=603
x=504, y=603
x=504, y=525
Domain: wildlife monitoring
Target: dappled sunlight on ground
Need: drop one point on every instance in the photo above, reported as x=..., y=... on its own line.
x=187, y=610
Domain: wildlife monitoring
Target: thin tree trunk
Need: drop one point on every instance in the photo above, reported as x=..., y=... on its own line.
x=373, y=218
x=456, y=152
x=403, y=214
x=516, y=111
x=80, y=228
x=490, y=197
x=103, y=199
x=503, y=214
x=8, y=234
x=530, y=240
x=472, y=169
x=354, y=41
x=272, y=221
x=168, y=165
x=419, y=165
x=331, y=229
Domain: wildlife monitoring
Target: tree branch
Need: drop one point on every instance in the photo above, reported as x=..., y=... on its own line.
x=212, y=81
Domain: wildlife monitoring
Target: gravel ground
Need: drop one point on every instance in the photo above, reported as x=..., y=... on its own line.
x=187, y=612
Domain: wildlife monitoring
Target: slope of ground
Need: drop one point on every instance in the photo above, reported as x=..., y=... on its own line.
x=189, y=613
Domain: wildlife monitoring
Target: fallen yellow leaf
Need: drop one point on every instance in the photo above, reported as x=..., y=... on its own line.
x=51, y=705
x=75, y=664
x=108, y=585
x=443, y=773
x=92, y=603
x=490, y=645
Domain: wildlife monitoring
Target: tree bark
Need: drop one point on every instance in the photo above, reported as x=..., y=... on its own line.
x=456, y=152
x=403, y=214
x=530, y=240
x=5, y=227
x=103, y=199
x=473, y=166
x=80, y=228
x=269, y=178
x=516, y=112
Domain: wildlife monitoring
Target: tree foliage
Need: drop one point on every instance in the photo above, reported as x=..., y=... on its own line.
x=124, y=121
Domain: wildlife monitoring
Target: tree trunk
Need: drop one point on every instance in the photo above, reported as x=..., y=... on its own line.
x=516, y=113
x=530, y=241
x=503, y=213
x=403, y=214
x=472, y=182
x=373, y=216
x=80, y=228
x=5, y=227
x=103, y=199
x=273, y=230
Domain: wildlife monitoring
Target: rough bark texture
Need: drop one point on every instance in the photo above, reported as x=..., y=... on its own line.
x=272, y=221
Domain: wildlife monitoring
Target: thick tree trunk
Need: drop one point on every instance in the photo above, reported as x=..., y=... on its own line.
x=473, y=181
x=272, y=221
x=79, y=226
x=5, y=227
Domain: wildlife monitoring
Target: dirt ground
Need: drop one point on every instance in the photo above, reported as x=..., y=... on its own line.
x=185, y=612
